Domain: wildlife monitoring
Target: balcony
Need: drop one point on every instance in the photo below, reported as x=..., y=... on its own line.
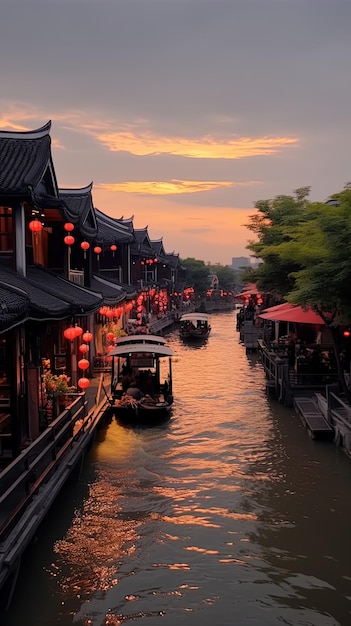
x=77, y=277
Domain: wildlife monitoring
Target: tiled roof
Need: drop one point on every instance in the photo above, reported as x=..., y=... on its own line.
x=80, y=299
x=112, y=294
x=13, y=307
x=26, y=165
x=79, y=210
x=111, y=230
x=129, y=290
x=160, y=251
x=41, y=303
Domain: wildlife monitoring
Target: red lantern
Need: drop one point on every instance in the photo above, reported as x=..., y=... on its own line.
x=83, y=383
x=85, y=245
x=69, y=240
x=113, y=248
x=35, y=226
x=109, y=348
x=97, y=251
x=68, y=227
x=346, y=333
x=83, y=348
x=83, y=364
x=79, y=331
x=87, y=336
x=70, y=333
x=110, y=336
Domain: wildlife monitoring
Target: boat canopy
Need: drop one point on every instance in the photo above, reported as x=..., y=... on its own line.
x=141, y=348
x=193, y=317
x=141, y=339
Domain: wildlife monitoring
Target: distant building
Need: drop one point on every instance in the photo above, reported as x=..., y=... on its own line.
x=239, y=262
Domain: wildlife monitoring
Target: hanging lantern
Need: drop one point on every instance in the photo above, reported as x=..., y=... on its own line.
x=83, y=383
x=110, y=337
x=83, y=348
x=109, y=348
x=346, y=333
x=35, y=226
x=87, y=336
x=79, y=331
x=85, y=245
x=83, y=364
x=68, y=227
x=113, y=248
x=69, y=240
x=70, y=333
x=97, y=251
x=103, y=310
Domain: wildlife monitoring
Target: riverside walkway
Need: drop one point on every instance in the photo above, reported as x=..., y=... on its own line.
x=30, y=483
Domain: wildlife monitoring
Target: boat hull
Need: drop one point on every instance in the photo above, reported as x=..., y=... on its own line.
x=143, y=416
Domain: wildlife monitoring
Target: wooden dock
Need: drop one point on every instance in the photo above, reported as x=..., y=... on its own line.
x=313, y=418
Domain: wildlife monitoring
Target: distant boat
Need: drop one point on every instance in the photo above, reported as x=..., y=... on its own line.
x=141, y=375
x=194, y=326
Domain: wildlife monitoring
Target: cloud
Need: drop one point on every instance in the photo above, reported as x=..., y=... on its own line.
x=165, y=187
x=146, y=144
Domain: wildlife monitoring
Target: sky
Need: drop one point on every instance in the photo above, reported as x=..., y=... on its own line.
x=184, y=113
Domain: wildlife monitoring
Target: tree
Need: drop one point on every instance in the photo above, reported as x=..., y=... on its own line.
x=197, y=273
x=305, y=248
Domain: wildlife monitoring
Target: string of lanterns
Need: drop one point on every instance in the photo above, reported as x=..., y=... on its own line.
x=71, y=333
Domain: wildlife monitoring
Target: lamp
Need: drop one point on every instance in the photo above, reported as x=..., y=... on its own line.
x=97, y=251
x=85, y=245
x=35, y=226
x=83, y=383
x=83, y=364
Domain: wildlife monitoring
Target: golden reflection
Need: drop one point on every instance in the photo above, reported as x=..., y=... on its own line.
x=176, y=566
x=191, y=519
x=201, y=550
x=207, y=147
x=95, y=543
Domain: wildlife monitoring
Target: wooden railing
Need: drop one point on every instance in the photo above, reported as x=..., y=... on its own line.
x=23, y=478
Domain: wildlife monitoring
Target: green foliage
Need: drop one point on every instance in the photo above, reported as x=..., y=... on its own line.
x=198, y=275
x=305, y=249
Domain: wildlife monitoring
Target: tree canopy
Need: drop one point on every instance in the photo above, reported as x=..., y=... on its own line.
x=305, y=249
x=198, y=275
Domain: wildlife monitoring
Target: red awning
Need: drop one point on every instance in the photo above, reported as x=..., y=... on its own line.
x=278, y=307
x=249, y=290
x=293, y=314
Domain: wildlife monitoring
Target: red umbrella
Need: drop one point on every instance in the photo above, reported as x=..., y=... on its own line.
x=278, y=307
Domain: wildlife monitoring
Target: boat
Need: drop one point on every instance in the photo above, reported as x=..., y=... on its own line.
x=141, y=380
x=194, y=326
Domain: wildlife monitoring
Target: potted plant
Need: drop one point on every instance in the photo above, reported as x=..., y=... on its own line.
x=55, y=388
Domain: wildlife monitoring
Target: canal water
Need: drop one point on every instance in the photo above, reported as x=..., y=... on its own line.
x=227, y=515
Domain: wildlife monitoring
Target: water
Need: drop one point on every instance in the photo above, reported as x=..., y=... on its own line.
x=229, y=514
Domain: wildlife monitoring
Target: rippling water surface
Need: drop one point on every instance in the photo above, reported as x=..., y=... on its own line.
x=228, y=514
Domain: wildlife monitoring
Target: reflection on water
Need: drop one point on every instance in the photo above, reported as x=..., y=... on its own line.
x=228, y=514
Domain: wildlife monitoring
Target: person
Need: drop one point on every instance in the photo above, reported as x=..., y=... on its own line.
x=134, y=392
x=127, y=379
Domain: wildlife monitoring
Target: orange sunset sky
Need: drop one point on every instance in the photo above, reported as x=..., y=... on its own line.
x=184, y=114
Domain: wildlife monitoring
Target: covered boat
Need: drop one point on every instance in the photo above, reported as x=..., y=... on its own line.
x=141, y=380
x=194, y=326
